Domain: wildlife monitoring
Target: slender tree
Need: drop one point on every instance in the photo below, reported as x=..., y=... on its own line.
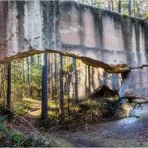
x=93, y=83
x=86, y=81
x=55, y=73
x=52, y=76
x=44, y=109
x=29, y=76
x=129, y=7
x=138, y=11
x=9, y=107
x=61, y=87
x=112, y=2
x=109, y=5
x=49, y=72
x=76, y=80
x=119, y=6
x=89, y=83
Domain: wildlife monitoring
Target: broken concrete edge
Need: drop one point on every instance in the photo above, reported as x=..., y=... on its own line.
x=135, y=99
x=138, y=67
x=109, y=68
x=103, y=91
x=120, y=68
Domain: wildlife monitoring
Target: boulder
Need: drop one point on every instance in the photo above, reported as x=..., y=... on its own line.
x=135, y=84
x=103, y=91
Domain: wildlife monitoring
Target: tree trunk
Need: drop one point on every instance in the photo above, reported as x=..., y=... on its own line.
x=93, y=84
x=29, y=76
x=112, y=1
x=52, y=76
x=44, y=109
x=9, y=107
x=55, y=74
x=49, y=80
x=61, y=87
x=109, y=6
x=89, y=83
x=119, y=6
x=138, y=13
x=129, y=7
x=134, y=9
x=76, y=81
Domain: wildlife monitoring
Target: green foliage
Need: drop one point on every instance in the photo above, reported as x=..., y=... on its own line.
x=23, y=108
x=2, y=118
x=68, y=67
x=11, y=138
x=36, y=75
x=18, y=139
x=26, y=77
x=9, y=134
x=139, y=8
x=1, y=127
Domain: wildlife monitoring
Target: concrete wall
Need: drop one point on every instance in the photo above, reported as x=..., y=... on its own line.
x=103, y=35
x=86, y=31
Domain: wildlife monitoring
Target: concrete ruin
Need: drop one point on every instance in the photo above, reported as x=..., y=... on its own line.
x=100, y=38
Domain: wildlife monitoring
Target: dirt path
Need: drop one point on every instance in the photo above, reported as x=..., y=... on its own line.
x=127, y=132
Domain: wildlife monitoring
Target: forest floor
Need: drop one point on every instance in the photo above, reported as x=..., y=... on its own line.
x=131, y=131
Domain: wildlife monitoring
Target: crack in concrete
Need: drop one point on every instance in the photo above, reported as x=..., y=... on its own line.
x=120, y=68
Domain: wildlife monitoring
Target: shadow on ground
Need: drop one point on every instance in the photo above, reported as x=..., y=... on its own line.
x=131, y=131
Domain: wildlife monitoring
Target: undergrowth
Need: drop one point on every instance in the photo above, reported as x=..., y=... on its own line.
x=77, y=115
x=12, y=138
x=92, y=111
x=88, y=111
x=23, y=108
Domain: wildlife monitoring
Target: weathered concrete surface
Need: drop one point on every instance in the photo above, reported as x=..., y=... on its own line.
x=114, y=42
x=135, y=84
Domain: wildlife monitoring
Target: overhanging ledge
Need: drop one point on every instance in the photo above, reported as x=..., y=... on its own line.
x=108, y=68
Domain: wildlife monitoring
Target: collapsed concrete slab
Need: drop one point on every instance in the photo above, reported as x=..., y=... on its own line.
x=103, y=91
x=135, y=84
